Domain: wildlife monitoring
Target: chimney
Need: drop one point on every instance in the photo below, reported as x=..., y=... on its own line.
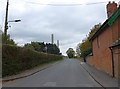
x=111, y=7
x=58, y=43
x=119, y=3
x=52, y=38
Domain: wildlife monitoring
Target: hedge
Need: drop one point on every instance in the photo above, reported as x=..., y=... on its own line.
x=16, y=59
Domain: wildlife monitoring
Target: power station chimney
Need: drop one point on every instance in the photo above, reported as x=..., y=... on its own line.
x=52, y=38
x=58, y=43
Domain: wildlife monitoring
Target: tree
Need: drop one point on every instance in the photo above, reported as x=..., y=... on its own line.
x=52, y=49
x=7, y=40
x=29, y=46
x=0, y=38
x=78, y=51
x=85, y=47
x=36, y=46
x=0, y=35
x=42, y=47
x=70, y=52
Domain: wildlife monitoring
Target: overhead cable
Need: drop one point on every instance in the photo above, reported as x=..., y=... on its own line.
x=74, y=4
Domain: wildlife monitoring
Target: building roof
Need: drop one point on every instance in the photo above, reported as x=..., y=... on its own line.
x=116, y=43
x=107, y=23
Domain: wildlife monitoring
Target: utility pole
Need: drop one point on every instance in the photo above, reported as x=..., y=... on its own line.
x=6, y=22
x=6, y=19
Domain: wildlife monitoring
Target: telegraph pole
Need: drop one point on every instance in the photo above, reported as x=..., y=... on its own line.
x=6, y=22
x=6, y=19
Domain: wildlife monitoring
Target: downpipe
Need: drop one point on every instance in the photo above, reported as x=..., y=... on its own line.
x=113, y=66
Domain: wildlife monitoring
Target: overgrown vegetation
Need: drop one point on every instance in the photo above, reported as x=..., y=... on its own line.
x=16, y=59
x=85, y=47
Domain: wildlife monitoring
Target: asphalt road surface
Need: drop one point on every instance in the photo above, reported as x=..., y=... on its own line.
x=66, y=73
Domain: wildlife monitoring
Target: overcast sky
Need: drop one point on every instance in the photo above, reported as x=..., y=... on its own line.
x=69, y=24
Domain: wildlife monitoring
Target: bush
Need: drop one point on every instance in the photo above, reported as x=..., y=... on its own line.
x=16, y=59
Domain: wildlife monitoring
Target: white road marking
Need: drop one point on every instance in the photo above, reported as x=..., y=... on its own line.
x=50, y=84
x=82, y=63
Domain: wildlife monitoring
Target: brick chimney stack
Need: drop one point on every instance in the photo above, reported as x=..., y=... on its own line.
x=111, y=7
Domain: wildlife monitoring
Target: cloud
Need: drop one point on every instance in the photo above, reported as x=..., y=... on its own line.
x=69, y=24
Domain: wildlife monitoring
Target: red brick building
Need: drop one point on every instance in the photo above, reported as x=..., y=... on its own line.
x=106, y=43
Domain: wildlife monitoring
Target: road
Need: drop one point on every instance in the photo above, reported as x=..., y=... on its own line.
x=66, y=73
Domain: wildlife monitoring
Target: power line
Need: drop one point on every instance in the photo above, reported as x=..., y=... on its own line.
x=50, y=4
x=54, y=4
x=95, y=3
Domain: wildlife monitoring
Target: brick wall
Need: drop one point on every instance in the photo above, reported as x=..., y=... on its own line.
x=115, y=30
x=119, y=63
x=89, y=60
x=101, y=52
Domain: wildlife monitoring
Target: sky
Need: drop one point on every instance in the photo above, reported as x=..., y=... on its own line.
x=39, y=19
